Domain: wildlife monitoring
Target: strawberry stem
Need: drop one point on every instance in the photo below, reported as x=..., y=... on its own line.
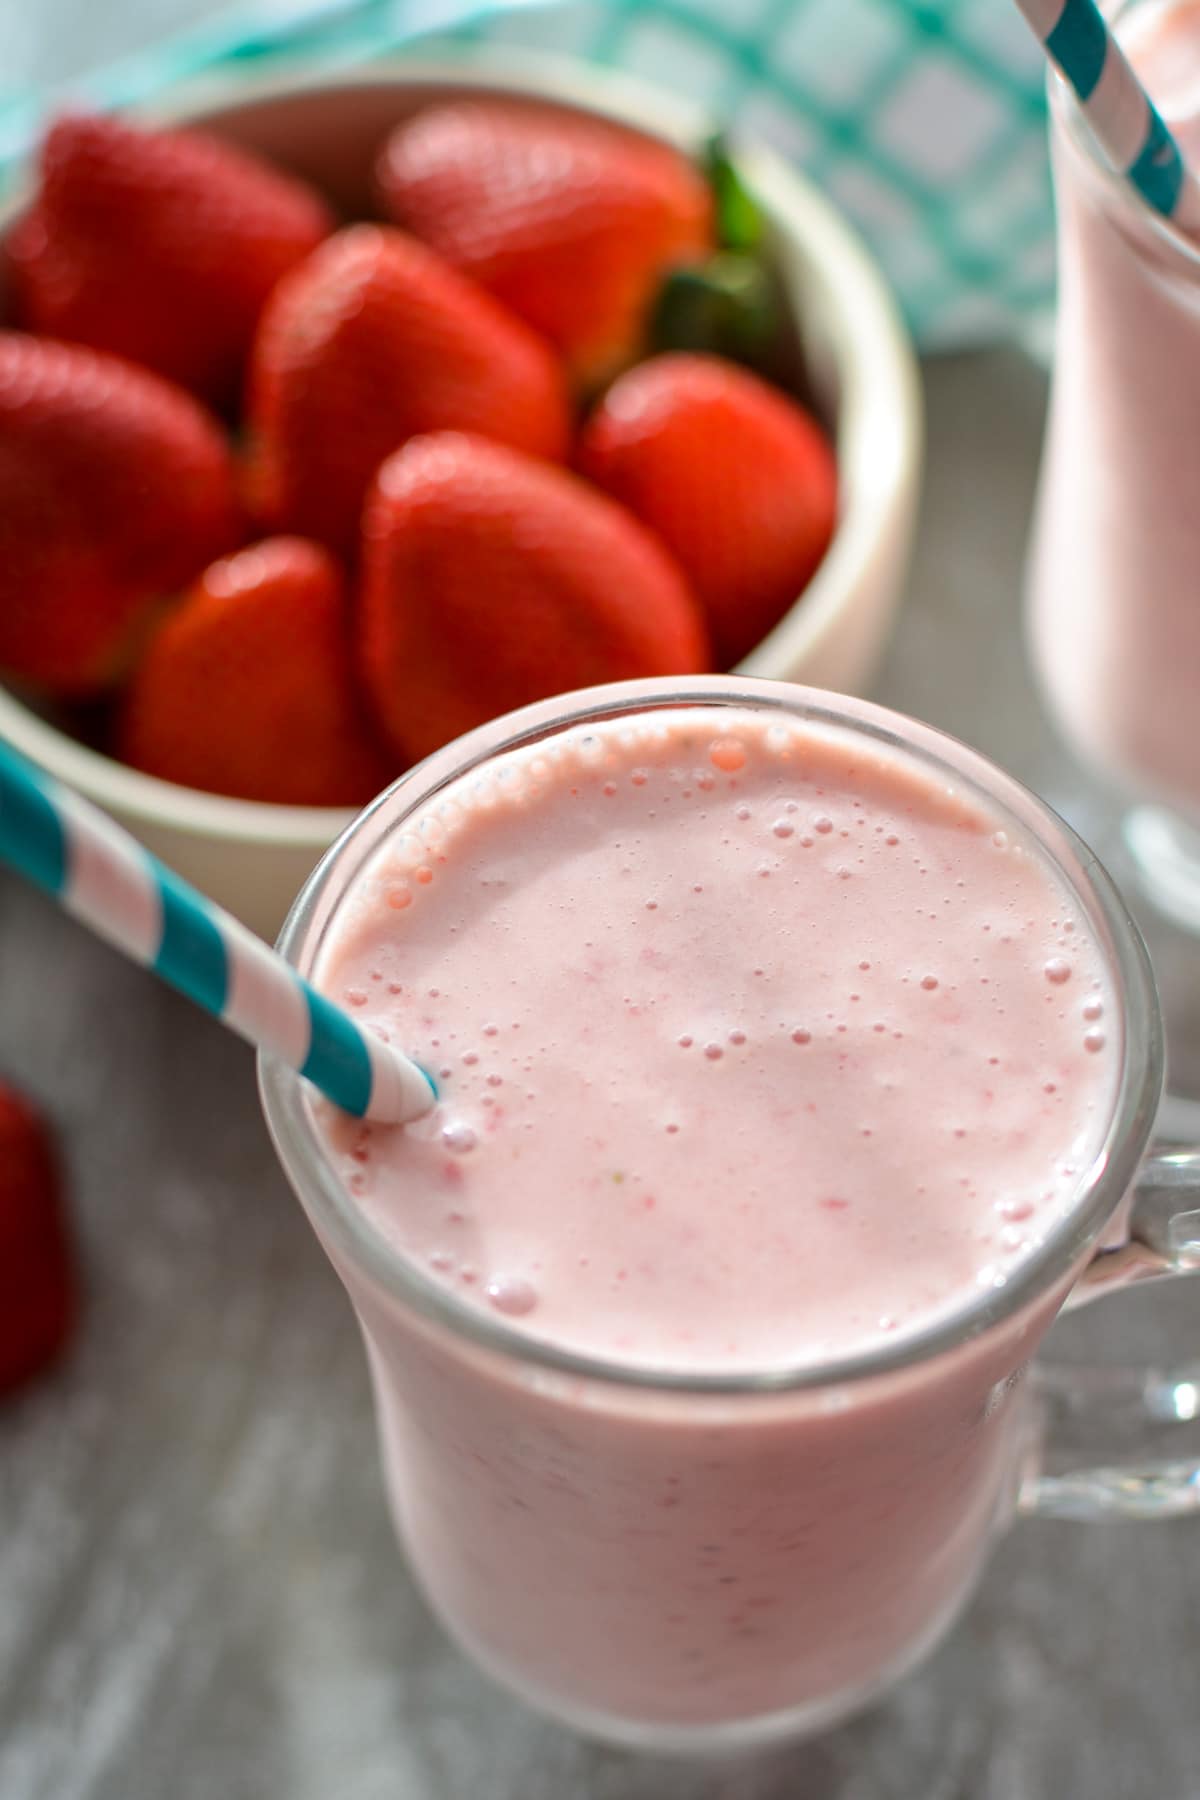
x=731, y=305
x=728, y=305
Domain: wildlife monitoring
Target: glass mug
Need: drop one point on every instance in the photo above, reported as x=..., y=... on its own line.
x=1113, y=617
x=704, y=1562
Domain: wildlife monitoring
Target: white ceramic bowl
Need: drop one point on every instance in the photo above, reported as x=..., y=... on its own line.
x=252, y=858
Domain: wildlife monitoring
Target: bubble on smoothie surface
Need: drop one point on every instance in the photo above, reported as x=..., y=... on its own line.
x=512, y=1294
x=458, y=1137
x=727, y=754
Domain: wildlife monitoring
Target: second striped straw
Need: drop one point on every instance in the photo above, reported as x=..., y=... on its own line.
x=1121, y=115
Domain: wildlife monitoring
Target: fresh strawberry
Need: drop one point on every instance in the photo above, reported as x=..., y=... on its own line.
x=736, y=479
x=115, y=489
x=370, y=341
x=491, y=579
x=570, y=221
x=38, y=1292
x=246, y=688
x=160, y=246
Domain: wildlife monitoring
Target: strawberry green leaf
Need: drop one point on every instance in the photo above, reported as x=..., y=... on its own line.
x=739, y=218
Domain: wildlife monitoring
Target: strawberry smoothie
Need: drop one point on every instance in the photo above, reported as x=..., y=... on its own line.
x=760, y=1045
x=1115, y=624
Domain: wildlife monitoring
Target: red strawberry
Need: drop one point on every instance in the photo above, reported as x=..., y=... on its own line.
x=735, y=477
x=246, y=687
x=38, y=1294
x=568, y=220
x=491, y=579
x=115, y=488
x=371, y=341
x=160, y=246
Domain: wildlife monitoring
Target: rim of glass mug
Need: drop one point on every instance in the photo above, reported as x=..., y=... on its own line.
x=1121, y=200
x=1101, y=1186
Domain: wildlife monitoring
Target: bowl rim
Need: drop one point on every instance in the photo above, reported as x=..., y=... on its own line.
x=879, y=411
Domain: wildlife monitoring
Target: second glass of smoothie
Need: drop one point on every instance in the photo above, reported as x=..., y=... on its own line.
x=1114, y=617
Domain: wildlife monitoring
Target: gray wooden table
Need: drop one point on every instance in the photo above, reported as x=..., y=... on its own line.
x=200, y=1596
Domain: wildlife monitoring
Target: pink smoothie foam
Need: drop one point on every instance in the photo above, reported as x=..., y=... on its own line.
x=1116, y=627
x=749, y=1053
x=757, y=1046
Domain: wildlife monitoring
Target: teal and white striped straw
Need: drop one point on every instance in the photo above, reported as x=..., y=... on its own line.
x=101, y=874
x=1124, y=120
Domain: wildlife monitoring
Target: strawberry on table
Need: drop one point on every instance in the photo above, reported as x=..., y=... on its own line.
x=570, y=221
x=247, y=687
x=161, y=246
x=38, y=1290
x=736, y=478
x=491, y=579
x=115, y=489
x=373, y=340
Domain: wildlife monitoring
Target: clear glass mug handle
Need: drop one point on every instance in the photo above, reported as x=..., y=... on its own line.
x=1077, y=1406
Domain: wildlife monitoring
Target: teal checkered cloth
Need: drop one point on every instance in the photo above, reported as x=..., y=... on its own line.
x=925, y=123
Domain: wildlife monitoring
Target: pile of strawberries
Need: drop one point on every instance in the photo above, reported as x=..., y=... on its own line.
x=298, y=503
